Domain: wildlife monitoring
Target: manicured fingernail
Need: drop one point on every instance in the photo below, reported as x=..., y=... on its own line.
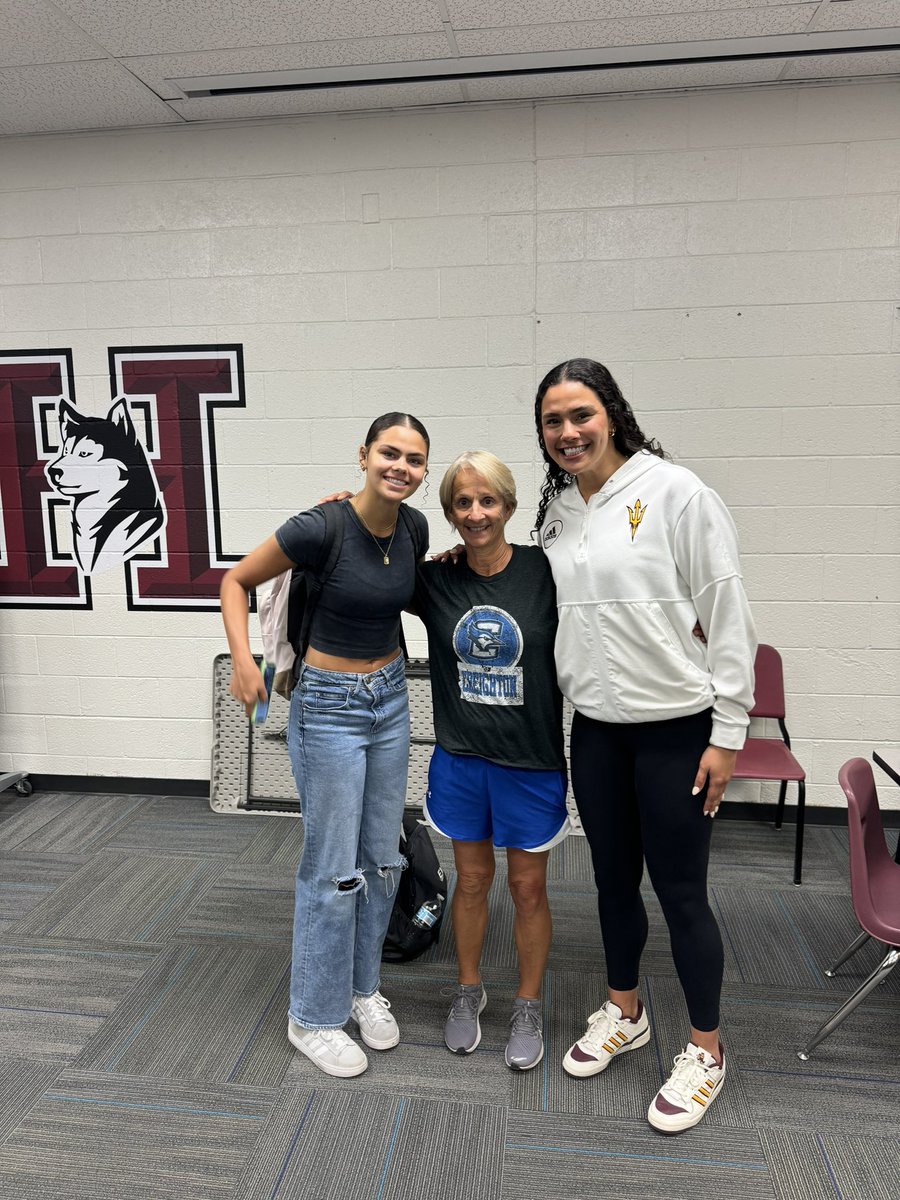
x=695, y=791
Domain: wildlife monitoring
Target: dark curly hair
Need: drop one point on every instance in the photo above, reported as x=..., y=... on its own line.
x=628, y=438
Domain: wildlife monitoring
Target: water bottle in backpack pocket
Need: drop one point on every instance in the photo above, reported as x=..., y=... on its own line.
x=418, y=912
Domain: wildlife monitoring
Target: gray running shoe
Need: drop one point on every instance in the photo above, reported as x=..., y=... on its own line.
x=462, y=1033
x=525, y=1047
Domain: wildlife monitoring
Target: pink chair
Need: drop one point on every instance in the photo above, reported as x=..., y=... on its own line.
x=770, y=759
x=874, y=888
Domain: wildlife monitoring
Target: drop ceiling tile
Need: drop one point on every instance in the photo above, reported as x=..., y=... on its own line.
x=69, y=96
x=323, y=19
x=153, y=27
x=356, y=99
x=486, y=14
x=157, y=70
x=642, y=31
x=630, y=79
x=88, y=90
x=159, y=27
x=35, y=32
x=832, y=66
x=861, y=14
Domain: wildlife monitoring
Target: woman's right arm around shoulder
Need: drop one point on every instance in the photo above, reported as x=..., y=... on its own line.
x=260, y=565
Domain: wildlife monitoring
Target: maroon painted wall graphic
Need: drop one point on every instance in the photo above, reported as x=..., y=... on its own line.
x=181, y=389
x=135, y=488
x=36, y=570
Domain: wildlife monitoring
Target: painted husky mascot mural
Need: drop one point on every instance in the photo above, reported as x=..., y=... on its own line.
x=104, y=471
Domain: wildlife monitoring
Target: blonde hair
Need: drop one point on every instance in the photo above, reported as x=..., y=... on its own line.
x=495, y=473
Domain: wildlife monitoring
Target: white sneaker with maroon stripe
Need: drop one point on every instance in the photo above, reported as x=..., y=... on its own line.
x=683, y=1099
x=608, y=1034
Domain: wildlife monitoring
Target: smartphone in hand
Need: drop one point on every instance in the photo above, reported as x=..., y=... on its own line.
x=261, y=707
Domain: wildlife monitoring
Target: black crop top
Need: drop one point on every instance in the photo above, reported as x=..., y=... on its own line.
x=358, y=611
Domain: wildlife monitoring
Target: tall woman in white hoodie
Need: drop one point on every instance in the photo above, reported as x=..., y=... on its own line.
x=644, y=557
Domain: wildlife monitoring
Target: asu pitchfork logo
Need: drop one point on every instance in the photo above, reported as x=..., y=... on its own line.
x=635, y=516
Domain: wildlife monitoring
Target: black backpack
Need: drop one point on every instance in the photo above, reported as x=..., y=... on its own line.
x=418, y=911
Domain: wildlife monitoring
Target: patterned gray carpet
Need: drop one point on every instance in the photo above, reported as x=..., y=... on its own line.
x=144, y=956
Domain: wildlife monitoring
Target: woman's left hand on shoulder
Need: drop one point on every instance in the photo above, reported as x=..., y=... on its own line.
x=454, y=553
x=715, y=769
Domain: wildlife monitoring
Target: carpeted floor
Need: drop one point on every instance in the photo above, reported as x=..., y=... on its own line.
x=144, y=952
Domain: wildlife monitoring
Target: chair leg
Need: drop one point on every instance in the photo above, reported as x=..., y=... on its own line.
x=856, y=944
x=881, y=972
x=779, y=812
x=798, y=844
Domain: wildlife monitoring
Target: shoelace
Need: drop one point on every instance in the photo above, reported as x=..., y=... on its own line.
x=601, y=1025
x=465, y=1006
x=334, y=1037
x=374, y=1006
x=526, y=1018
x=686, y=1078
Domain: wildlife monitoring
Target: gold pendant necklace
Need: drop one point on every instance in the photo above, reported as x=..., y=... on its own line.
x=385, y=553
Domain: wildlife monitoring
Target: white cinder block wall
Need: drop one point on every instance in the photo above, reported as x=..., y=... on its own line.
x=732, y=256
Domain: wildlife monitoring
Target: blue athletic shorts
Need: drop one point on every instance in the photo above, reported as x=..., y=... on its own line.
x=470, y=800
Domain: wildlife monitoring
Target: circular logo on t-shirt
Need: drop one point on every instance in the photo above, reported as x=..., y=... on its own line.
x=488, y=637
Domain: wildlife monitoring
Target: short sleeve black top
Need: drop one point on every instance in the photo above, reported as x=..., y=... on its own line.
x=490, y=646
x=358, y=611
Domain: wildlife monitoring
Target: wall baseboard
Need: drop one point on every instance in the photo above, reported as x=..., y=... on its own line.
x=129, y=786
x=815, y=815
x=124, y=784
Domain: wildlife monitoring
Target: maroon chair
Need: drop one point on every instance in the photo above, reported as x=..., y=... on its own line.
x=874, y=888
x=770, y=759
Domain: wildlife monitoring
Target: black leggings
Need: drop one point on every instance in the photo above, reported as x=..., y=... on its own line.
x=632, y=784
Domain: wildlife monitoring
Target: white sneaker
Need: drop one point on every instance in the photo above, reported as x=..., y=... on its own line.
x=377, y=1027
x=608, y=1034
x=683, y=1099
x=332, y=1050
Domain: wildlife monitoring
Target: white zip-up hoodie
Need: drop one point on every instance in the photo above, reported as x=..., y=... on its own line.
x=650, y=554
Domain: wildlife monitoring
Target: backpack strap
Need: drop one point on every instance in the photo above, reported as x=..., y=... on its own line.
x=312, y=578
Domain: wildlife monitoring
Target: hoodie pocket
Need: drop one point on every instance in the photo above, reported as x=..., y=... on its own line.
x=650, y=677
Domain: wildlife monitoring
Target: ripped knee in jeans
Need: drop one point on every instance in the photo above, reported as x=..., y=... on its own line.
x=387, y=873
x=352, y=883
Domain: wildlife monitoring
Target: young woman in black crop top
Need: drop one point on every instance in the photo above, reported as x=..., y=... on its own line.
x=348, y=739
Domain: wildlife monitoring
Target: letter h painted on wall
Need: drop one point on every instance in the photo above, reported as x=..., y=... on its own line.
x=136, y=487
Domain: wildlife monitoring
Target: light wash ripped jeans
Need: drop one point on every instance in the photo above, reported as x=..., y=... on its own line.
x=348, y=740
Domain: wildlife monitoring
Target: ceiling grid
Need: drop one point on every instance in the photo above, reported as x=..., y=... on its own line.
x=68, y=65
